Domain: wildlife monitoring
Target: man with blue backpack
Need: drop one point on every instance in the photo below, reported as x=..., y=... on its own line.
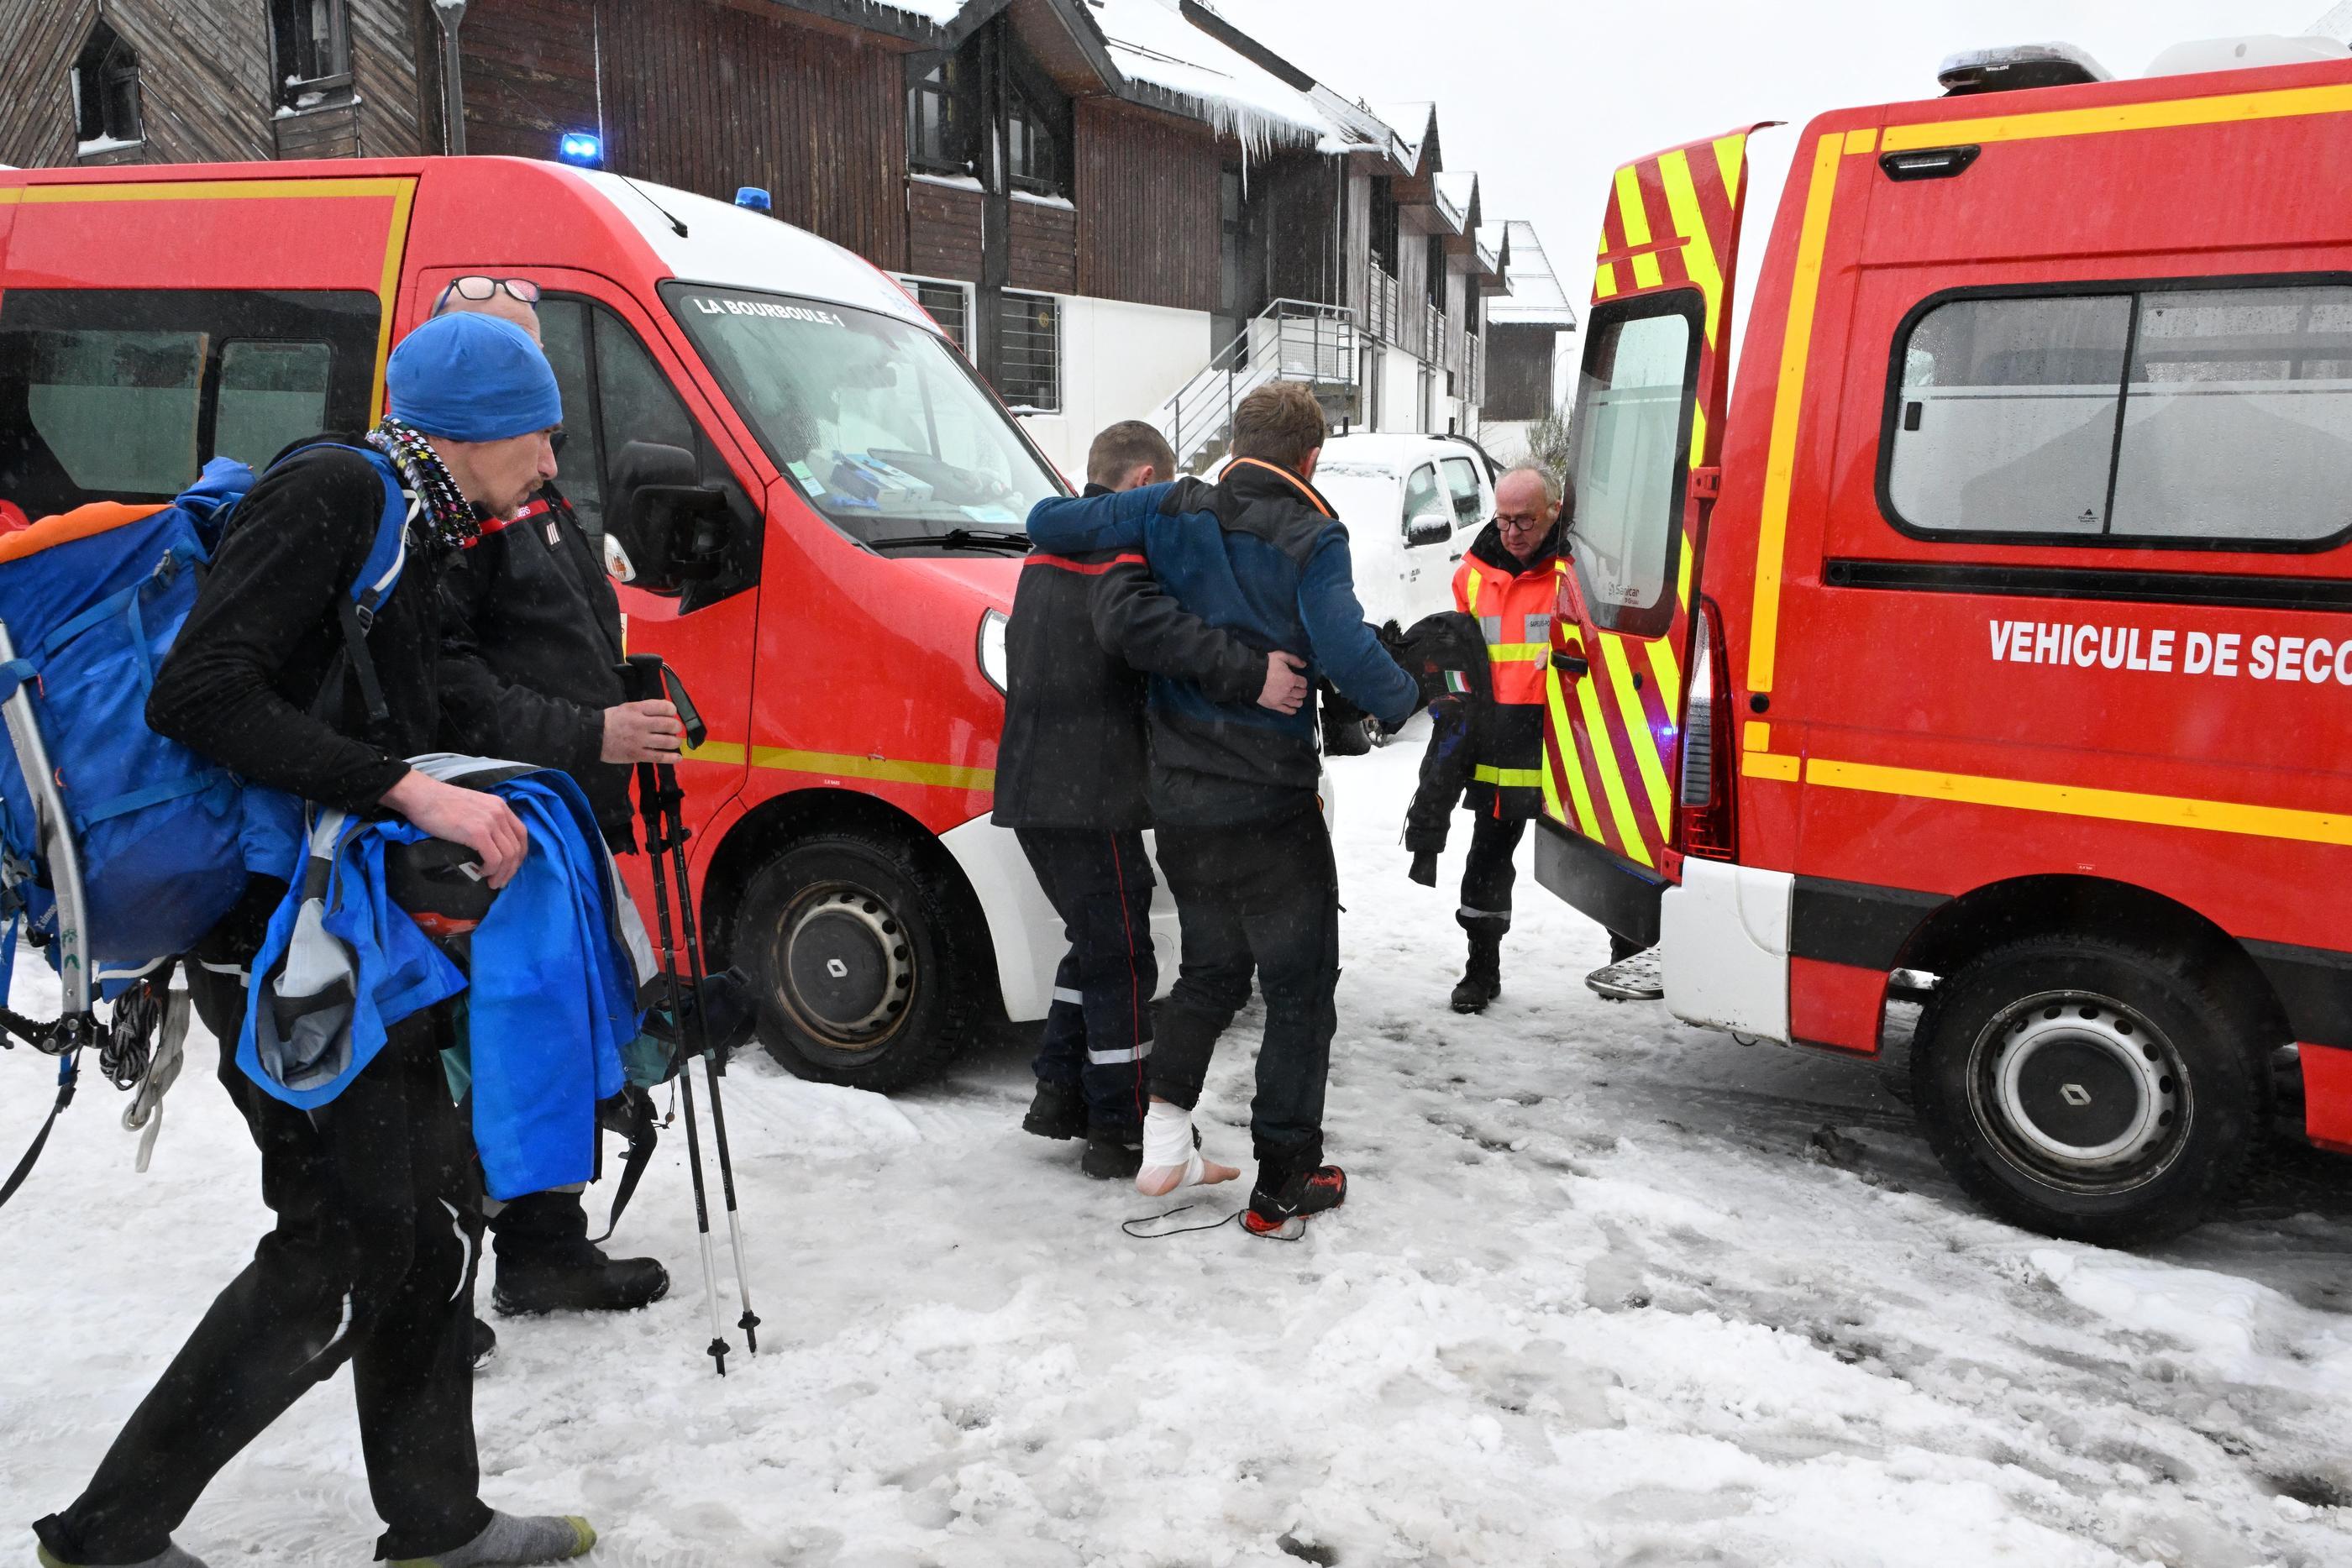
x=281, y=677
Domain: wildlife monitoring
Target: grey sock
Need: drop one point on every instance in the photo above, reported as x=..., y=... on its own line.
x=509, y=1540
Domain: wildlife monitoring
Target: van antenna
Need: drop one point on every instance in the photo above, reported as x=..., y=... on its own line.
x=677, y=226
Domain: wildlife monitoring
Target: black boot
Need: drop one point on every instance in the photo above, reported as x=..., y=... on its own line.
x=1482, y=979
x=485, y=1343
x=1289, y=1189
x=1114, y=1153
x=1058, y=1111
x=547, y=1264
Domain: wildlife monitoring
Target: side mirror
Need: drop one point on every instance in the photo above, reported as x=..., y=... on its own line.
x=1429, y=529
x=668, y=521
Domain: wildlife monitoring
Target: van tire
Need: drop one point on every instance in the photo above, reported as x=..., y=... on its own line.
x=2088, y=1088
x=854, y=951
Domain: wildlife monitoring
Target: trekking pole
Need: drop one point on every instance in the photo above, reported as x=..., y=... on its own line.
x=658, y=680
x=649, y=810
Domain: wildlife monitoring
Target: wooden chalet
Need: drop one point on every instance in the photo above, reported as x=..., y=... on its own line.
x=1122, y=208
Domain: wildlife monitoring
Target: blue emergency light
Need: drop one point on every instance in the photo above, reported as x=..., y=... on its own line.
x=585, y=148
x=753, y=197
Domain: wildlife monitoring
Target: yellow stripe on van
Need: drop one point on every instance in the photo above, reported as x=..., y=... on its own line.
x=1612, y=779
x=846, y=765
x=1664, y=665
x=1698, y=250
x=1564, y=738
x=1780, y=451
x=2076, y=801
x=1637, y=733
x=2220, y=109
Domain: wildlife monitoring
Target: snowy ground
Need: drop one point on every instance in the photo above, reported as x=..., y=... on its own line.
x=1604, y=1293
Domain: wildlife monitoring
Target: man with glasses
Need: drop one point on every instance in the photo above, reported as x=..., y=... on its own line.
x=531, y=636
x=1508, y=581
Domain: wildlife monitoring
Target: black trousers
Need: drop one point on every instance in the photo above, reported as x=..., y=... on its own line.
x=1263, y=894
x=1098, y=1031
x=1488, y=873
x=371, y=1263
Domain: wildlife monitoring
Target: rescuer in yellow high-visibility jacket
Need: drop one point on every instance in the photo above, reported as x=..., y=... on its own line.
x=1508, y=581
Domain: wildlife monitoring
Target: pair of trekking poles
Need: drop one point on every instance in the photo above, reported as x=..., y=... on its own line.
x=660, y=802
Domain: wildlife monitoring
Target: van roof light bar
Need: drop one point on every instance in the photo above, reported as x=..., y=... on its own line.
x=2016, y=67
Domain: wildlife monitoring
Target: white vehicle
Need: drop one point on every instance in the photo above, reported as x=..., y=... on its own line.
x=1413, y=504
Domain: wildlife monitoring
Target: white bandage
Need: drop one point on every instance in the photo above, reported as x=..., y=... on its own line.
x=1167, y=1146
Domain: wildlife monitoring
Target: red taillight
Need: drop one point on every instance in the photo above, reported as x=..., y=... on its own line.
x=1710, y=824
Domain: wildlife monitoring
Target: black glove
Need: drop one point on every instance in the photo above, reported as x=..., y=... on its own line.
x=1424, y=867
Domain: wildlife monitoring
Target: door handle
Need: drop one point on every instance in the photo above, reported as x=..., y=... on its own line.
x=1576, y=665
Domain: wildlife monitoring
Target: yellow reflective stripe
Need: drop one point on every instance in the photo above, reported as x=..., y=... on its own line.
x=1604, y=281
x=1683, y=574
x=2073, y=801
x=2283, y=103
x=1473, y=595
x=1645, y=270
x=1637, y=731
x=1632, y=216
x=1569, y=763
x=1769, y=765
x=1509, y=778
x=1862, y=141
x=1756, y=736
x=1551, y=805
x=1698, y=252
x=1729, y=151
x=1780, y=453
x=1517, y=653
x=846, y=765
x=1612, y=783
x=1662, y=665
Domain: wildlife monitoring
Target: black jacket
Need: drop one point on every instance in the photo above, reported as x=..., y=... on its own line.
x=248, y=682
x=1086, y=628
x=531, y=636
x=1446, y=656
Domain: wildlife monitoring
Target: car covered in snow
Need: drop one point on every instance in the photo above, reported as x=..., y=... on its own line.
x=1413, y=504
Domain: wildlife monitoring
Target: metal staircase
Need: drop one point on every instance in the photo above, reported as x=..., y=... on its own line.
x=1290, y=339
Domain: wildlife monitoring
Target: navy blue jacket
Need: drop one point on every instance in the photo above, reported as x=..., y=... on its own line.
x=1260, y=555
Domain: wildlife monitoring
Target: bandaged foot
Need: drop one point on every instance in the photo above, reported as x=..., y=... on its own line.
x=1171, y=1154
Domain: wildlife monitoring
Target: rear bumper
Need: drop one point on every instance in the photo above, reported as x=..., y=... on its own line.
x=1622, y=896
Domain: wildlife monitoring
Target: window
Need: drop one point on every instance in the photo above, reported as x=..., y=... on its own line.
x=312, y=51
x=941, y=114
x=1421, y=501
x=612, y=394
x=1633, y=441
x=1462, y=482
x=1036, y=132
x=1437, y=272
x=1384, y=224
x=884, y=429
x=1029, y=352
x=106, y=93
x=564, y=331
x=124, y=394
x=2101, y=416
x=949, y=304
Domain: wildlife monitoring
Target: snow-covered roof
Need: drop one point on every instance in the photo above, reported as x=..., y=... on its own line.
x=1457, y=193
x=1535, y=299
x=1151, y=42
x=1412, y=121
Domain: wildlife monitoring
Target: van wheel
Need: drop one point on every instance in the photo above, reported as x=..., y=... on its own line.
x=850, y=944
x=2084, y=1088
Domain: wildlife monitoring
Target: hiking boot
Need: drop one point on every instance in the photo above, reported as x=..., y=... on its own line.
x=1058, y=1111
x=509, y=1541
x=1281, y=1210
x=604, y=1285
x=1482, y=979
x=1113, y=1152
x=486, y=1344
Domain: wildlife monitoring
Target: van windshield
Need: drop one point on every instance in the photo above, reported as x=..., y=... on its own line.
x=881, y=424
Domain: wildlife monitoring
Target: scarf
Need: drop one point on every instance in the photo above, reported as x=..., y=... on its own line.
x=445, y=519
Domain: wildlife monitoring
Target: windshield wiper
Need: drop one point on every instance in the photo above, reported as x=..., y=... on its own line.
x=957, y=539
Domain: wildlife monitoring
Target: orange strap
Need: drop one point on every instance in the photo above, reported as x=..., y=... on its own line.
x=81, y=522
x=1301, y=485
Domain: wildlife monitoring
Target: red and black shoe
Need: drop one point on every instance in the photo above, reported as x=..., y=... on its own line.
x=1281, y=1210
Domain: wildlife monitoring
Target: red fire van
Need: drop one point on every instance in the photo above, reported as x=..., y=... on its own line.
x=819, y=499
x=1989, y=645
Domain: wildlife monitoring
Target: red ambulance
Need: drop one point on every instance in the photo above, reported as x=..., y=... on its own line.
x=1988, y=645
x=819, y=499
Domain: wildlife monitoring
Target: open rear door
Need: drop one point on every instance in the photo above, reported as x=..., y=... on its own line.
x=1649, y=419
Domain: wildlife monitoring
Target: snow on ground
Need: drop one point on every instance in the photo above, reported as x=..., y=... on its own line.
x=1605, y=1293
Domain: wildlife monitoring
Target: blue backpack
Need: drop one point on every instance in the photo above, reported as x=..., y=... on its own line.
x=121, y=847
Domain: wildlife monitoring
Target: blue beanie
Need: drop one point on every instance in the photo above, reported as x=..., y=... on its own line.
x=469, y=377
